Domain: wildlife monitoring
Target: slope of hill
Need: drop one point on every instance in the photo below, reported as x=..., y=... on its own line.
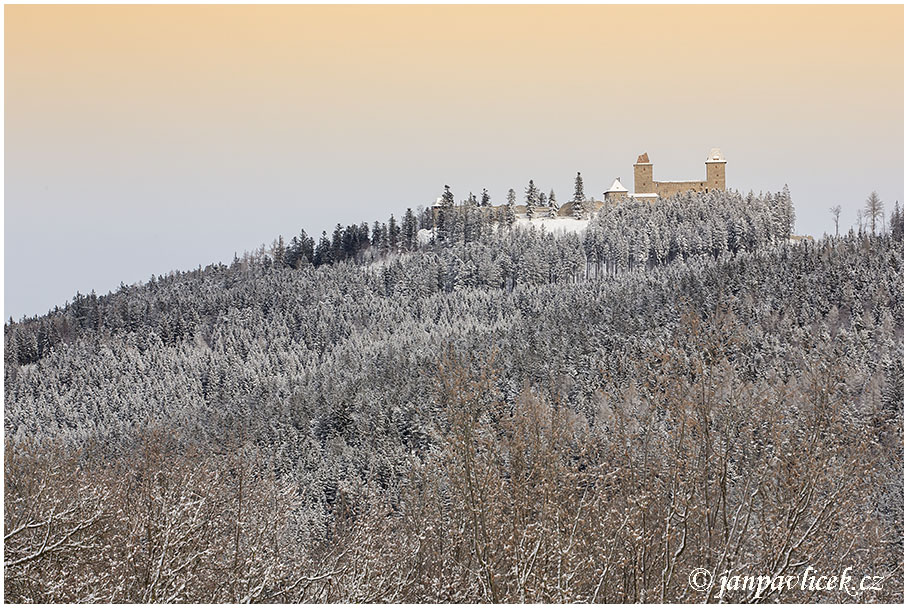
x=498, y=415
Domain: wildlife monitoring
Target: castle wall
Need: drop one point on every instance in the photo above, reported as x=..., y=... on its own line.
x=644, y=183
x=666, y=189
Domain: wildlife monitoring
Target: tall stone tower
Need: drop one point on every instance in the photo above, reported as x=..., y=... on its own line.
x=715, y=170
x=643, y=175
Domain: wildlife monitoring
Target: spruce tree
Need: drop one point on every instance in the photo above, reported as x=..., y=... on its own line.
x=376, y=234
x=278, y=251
x=543, y=200
x=393, y=233
x=577, y=201
x=447, y=198
x=786, y=209
x=384, y=238
x=897, y=222
x=408, y=230
x=531, y=198
x=322, y=253
x=486, y=199
x=337, y=244
x=510, y=213
x=578, y=188
x=444, y=219
x=291, y=256
x=307, y=247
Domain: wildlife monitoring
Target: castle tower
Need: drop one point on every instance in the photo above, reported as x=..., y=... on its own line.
x=715, y=170
x=643, y=175
x=616, y=192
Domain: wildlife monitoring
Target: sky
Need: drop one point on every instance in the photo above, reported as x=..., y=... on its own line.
x=144, y=139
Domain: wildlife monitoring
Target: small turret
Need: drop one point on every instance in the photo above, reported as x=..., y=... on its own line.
x=615, y=192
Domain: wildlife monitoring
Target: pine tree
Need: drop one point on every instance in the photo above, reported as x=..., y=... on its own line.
x=376, y=235
x=337, y=244
x=579, y=197
x=383, y=238
x=510, y=212
x=362, y=239
x=278, y=251
x=897, y=222
x=531, y=198
x=393, y=233
x=543, y=200
x=409, y=230
x=322, y=253
x=447, y=198
x=783, y=214
x=444, y=215
x=300, y=251
x=486, y=199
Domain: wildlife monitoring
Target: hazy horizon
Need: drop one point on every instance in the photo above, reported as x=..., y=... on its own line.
x=144, y=139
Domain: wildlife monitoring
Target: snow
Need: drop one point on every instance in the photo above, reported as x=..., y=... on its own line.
x=616, y=186
x=716, y=156
x=554, y=225
x=424, y=236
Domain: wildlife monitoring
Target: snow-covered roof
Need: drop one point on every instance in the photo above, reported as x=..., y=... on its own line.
x=635, y=195
x=616, y=186
x=716, y=156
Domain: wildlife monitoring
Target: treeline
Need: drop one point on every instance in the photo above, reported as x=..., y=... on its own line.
x=350, y=243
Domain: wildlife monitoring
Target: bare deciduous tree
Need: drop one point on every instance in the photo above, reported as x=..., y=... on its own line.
x=836, y=212
x=873, y=210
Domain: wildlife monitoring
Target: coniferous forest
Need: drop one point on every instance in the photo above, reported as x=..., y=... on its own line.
x=459, y=407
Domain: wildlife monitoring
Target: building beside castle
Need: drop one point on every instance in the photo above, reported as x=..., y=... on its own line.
x=646, y=188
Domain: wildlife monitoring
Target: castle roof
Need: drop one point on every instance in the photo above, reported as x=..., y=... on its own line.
x=716, y=156
x=616, y=186
x=643, y=159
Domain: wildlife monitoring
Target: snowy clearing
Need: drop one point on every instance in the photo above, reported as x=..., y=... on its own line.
x=554, y=225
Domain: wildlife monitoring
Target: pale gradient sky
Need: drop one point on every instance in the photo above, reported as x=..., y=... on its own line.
x=141, y=139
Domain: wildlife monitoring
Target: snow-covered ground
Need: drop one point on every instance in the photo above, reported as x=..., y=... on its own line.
x=554, y=225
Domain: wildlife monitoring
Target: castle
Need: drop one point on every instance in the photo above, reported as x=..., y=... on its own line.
x=646, y=188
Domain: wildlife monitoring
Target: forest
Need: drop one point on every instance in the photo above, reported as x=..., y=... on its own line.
x=459, y=407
